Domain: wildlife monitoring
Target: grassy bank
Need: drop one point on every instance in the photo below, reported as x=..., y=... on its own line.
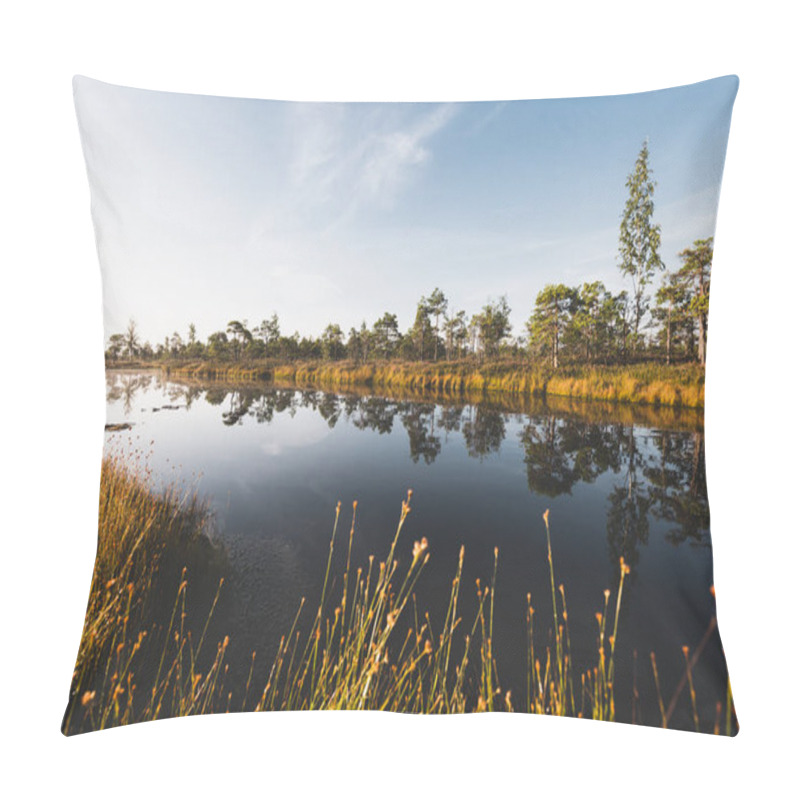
x=674, y=386
x=129, y=666
x=366, y=645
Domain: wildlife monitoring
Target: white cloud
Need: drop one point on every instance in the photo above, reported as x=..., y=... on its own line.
x=347, y=157
x=389, y=157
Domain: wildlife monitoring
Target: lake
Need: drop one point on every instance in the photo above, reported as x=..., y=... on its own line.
x=619, y=481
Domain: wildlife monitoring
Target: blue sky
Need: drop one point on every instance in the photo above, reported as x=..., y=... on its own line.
x=210, y=209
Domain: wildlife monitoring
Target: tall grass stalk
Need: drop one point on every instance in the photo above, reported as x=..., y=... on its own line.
x=372, y=650
x=364, y=646
x=141, y=536
x=550, y=688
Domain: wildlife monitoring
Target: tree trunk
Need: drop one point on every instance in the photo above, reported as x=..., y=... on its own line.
x=555, y=344
x=701, y=324
x=701, y=339
x=669, y=335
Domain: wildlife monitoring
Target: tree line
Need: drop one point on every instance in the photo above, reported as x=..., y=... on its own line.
x=575, y=324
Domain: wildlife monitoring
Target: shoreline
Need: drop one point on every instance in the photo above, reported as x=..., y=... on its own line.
x=677, y=386
x=586, y=409
x=416, y=678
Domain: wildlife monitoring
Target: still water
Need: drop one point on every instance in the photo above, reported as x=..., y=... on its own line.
x=619, y=481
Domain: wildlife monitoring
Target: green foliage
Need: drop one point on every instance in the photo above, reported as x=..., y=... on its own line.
x=672, y=311
x=269, y=332
x=569, y=325
x=437, y=307
x=240, y=336
x=359, y=344
x=218, y=347
x=385, y=336
x=695, y=275
x=639, y=236
x=333, y=342
x=555, y=306
x=455, y=334
x=116, y=346
x=421, y=334
x=492, y=326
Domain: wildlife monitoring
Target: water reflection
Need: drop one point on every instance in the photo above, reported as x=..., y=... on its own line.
x=654, y=457
x=274, y=461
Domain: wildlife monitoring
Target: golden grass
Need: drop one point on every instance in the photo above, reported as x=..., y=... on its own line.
x=145, y=541
x=679, y=386
x=218, y=370
x=360, y=655
x=367, y=646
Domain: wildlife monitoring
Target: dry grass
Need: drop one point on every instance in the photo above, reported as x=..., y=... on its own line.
x=368, y=646
x=372, y=651
x=148, y=542
x=675, y=386
x=218, y=370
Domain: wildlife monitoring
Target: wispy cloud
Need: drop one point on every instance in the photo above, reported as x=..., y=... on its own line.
x=389, y=158
x=329, y=212
x=495, y=109
x=346, y=160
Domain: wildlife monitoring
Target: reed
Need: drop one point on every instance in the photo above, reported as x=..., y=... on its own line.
x=218, y=370
x=677, y=386
x=551, y=684
x=373, y=651
x=148, y=542
x=367, y=645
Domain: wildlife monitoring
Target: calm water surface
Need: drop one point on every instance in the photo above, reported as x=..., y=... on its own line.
x=619, y=481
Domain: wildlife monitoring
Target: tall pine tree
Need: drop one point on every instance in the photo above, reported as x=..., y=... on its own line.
x=696, y=275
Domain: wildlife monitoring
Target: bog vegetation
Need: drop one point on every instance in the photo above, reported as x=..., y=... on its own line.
x=575, y=338
x=366, y=645
x=148, y=543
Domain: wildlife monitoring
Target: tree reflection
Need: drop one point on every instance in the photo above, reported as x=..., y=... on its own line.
x=628, y=523
x=450, y=418
x=418, y=420
x=678, y=487
x=329, y=409
x=548, y=463
x=483, y=431
x=561, y=451
x=655, y=473
x=375, y=414
x=239, y=404
x=125, y=386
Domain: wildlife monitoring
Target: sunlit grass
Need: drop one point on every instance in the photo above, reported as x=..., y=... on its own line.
x=145, y=540
x=647, y=383
x=373, y=650
x=366, y=645
x=217, y=370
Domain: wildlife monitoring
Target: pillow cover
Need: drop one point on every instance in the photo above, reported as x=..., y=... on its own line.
x=404, y=407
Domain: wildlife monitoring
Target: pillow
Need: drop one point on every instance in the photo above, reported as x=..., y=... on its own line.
x=404, y=407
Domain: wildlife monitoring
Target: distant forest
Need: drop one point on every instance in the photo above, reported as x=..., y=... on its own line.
x=584, y=324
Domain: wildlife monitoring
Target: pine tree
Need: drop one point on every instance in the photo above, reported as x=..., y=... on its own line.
x=554, y=306
x=437, y=306
x=696, y=275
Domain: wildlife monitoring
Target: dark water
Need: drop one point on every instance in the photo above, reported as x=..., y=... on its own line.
x=619, y=482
